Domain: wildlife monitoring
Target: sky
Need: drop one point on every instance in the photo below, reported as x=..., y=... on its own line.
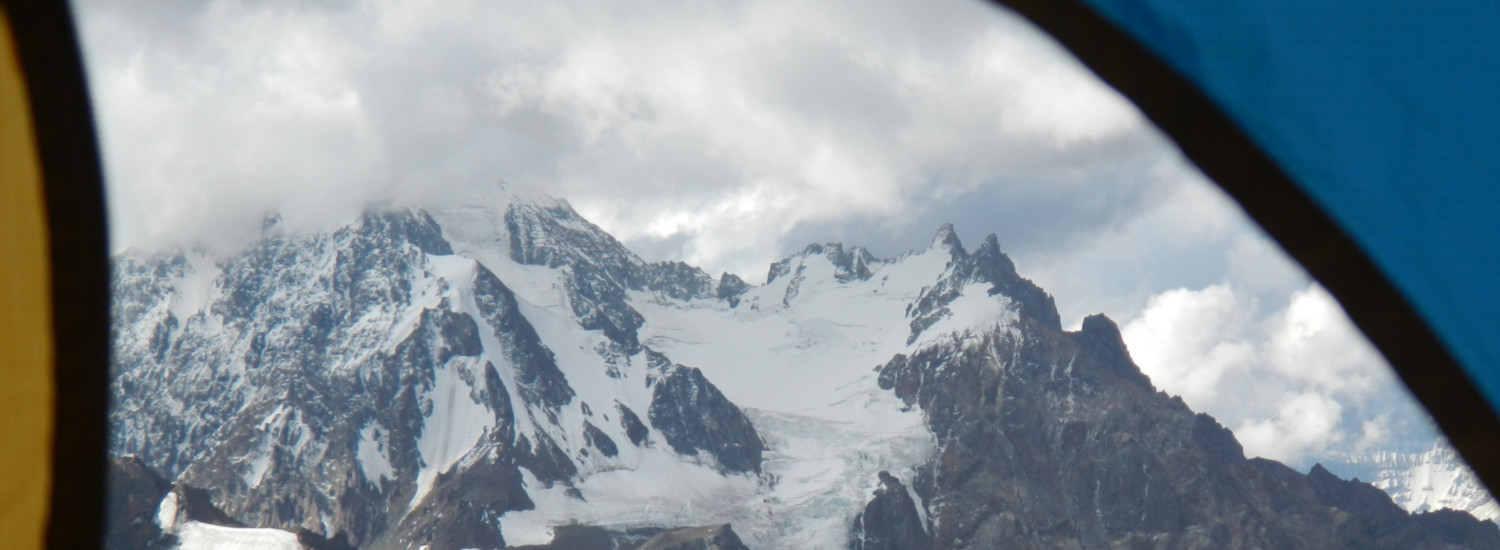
x=729, y=134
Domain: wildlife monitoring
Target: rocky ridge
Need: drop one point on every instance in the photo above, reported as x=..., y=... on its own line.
x=370, y=383
x=1426, y=481
x=509, y=374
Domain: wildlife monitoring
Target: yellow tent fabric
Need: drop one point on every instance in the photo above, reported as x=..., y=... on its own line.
x=26, y=343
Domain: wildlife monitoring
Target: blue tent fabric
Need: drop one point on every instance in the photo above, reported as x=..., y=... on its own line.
x=1385, y=113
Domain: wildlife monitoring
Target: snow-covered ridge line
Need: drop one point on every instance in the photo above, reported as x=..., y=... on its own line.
x=373, y=369
x=479, y=376
x=1423, y=482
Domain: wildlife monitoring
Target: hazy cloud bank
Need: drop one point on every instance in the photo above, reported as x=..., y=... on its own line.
x=701, y=131
x=727, y=134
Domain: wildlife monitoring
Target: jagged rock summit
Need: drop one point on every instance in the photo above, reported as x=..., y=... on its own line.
x=508, y=374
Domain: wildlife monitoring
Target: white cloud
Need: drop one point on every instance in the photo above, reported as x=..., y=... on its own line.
x=201, y=142
x=1305, y=424
x=1187, y=341
x=1175, y=238
x=1373, y=433
x=1312, y=341
x=727, y=134
x=680, y=124
x=1295, y=384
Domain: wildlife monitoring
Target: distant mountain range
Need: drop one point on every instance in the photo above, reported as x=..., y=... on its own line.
x=509, y=375
x=1421, y=482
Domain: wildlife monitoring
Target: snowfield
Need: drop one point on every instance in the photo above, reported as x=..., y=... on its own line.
x=378, y=379
x=799, y=354
x=203, y=536
x=1423, y=482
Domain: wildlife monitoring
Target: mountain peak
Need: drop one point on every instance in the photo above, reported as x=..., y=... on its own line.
x=1101, y=336
x=507, y=193
x=510, y=356
x=947, y=238
x=855, y=263
x=991, y=241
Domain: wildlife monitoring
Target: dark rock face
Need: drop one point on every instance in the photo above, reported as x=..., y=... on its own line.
x=713, y=537
x=463, y=510
x=194, y=504
x=417, y=228
x=295, y=383
x=852, y=264
x=556, y=236
x=1051, y=439
x=136, y=495
x=634, y=428
x=544, y=458
x=991, y=265
x=274, y=369
x=1369, y=519
x=297, y=392
x=1457, y=529
x=314, y=541
x=599, y=269
x=890, y=521
x=1099, y=337
x=540, y=380
x=849, y=265
x=577, y=537
x=679, y=280
x=693, y=415
x=986, y=265
x=135, y=492
x=599, y=440
x=730, y=288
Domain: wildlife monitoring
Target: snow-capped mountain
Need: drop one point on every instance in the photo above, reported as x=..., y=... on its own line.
x=1421, y=482
x=509, y=374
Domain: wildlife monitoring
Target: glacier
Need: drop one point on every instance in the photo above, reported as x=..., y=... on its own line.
x=485, y=375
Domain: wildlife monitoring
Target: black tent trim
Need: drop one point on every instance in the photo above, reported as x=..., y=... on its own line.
x=1217, y=145
x=50, y=56
x=79, y=247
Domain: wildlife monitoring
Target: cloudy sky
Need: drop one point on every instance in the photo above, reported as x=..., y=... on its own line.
x=729, y=134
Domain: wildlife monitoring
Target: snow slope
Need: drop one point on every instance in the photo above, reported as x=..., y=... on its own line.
x=202, y=536
x=1422, y=482
x=194, y=535
x=799, y=354
x=407, y=363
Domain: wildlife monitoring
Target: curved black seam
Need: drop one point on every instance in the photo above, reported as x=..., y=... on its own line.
x=73, y=188
x=50, y=56
x=1217, y=145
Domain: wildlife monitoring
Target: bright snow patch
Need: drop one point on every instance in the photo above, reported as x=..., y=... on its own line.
x=798, y=355
x=166, y=512
x=194, y=290
x=825, y=472
x=455, y=426
x=1434, y=480
x=660, y=491
x=259, y=466
x=202, y=536
x=373, y=460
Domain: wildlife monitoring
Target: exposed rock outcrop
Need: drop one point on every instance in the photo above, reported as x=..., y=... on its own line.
x=1052, y=439
x=890, y=521
x=712, y=537
x=693, y=415
x=135, y=493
